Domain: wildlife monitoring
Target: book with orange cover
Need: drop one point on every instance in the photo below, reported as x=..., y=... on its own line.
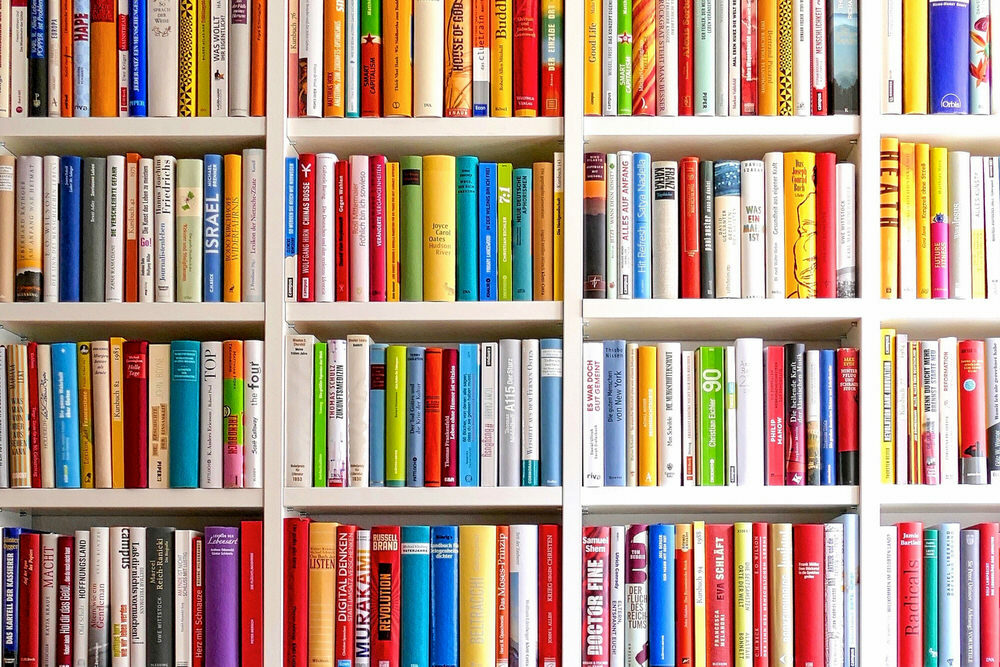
x=889, y=216
x=433, y=358
x=458, y=58
x=258, y=57
x=117, y=376
x=322, y=591
x=333, y=58
x=131, y=227
x=397, y=66
x=232, y=226
x=542, y=242
x=103, y=58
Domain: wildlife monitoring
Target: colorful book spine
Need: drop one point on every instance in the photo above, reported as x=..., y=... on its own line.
x=642, y=226
x=551, y=86
x=711, y=445
x=376, y=415
x=213, y=231
x=411, y=228
x=377, y=289
x=624, y=76
x=521, y=235
x=504, y=242
x=468, y=426
x=466, y=241
x=415, y=592
x=395, y=415
x=948, y=23
x=415, y=401
x=481, y=13
x=184, y=401
x=487, y=245
x=662, y=595
x=525, y=43
x=444, y=610
x=458, y=63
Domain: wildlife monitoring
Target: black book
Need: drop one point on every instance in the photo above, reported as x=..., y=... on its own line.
x=795, y=415
x=159, y=597
x=706, y=193
x=92, y=229
x=595, y=189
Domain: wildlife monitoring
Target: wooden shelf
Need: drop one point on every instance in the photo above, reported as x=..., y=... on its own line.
x=645, y=499
x=133, y=501
x=414, y=500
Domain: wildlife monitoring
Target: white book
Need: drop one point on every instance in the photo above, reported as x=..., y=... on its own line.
x=979, y=103
x=732, y=459
x=609, y=57
x=991, y=177
x=667, y=49
x=625, y=219
x=164, y=180
x=358, y=383
x=363, y=590
x=145, y=225
x=892, y=56
x=992, y=354
x=489, y=370
x=774, y=224
x=310, y=51
x=4, y=434
x=183, y=599
x=529, y=403
x=324, y=227
x=81, y=597
x=48, y=615
x=98, y=599
x=929, y=422
x=121, y=32
x=137, y=595
x=510, y=415
x=524, y=594
x=252, y=265
x=5, y=58
x=833, y=592
x=688, y=417
x=611, y=242
x=733, y=59
x=239, y=56
x=901, y=394
x=162, y=50
x=851, y=583
x=636, y=593
x=960, y=205
x=45, y=416
x=50, y=228
x=299, y=409
x=220, y=57
x=253, y=414
x=336, y=412
x=753, y=270
x=428, y=58
x=666, y=241
x=352, y=37
x=846, y=231
x=632, y=415
x=948, y=412
x=19, y=27
x=977, y=224
x=704, y=45
x=668, y=414
x=593, y=413
x=359, y=228
x=722, y=38
x=889, y=587
x=211, y=422
x=119, y=588
x=750, y=411
x=994, y=75
x=616, y=597
x=801, y=57
x=949, y=593
x=727, y=238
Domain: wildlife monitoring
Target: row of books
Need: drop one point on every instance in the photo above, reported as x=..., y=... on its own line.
x=940, y=222
x=721, y=594
x=101, y=58
x=134, y=596
x=129, y=414
x=781, y=227
x=940, y=410
x=453, y=58
x=360, y=413
x=431, y=228
x=720, y=57
x=940, y=586
x=937, y=57
x=125, y=228
x=744, y=414
x=421, y=595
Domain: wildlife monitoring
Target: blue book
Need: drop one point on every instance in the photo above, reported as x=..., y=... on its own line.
x=468, y=414
x=444, y=596
x=415, y=416
x=185, y=385
x=376, y=414
x=69, y=228
x=642, y=211
x=415, y=592
x=550, y=415
x=137, y=58
x=467, y=226
x=81, y=64
x=851, y=582
x=66, y=417
x=11, y=564
x=661, y=595
x=614, y=413
x=488, y=231
x=949, y=585
x=520, y=232
x=291, y=224
x=212, y=267
x=827, y=418
x=948, y=57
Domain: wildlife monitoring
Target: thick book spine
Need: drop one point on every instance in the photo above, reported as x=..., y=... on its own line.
x=410, y=228
x=595, y=189
x=525, y=43
x=415, y=592
x=489, y=420
x=233, y=414
x=376, y=414
x=753, y=269
x=215, y=236
x=550, y=373
x=163, y=47
x=358, y=389
x=603, y=432
x=847, y=414
x=846, y=269
x=184, y=399
x=385, y=567
x=164, y=169
x=189, y=224
x=703, y=52
x=665, y=238
x=948, y=409
x=291, y=228
x=306, y=230
x=774, y=225
x=397, y=93
x=989, y=608
x=604, y=20
x=469, y=177
x=65, y=418
x=642, y=226
x=449, y=417
x=842, y=53
x=800, y=197
x=252, y=227
x=222, y=588
x=690, y=246
x=50, y=227
x=429, y=58
x=250, y=578
x=135, y=397
x=458, y=58
x=711, y=441
x=211, y=431
x=444, y=609
x=395, y=415
x=218, y=55
x=626, y=225
x=960, y=272
x=948, y=23
x=468, y=415
x=826, y=225
x=970, y=625
x=504, y=245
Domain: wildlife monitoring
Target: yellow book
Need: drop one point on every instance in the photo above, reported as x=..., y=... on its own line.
x=915, y=412
x=333, y=58
x=592, y=58
x=558, y=212
x=232, y=228
x=781, y=610
x=117, y=375
x=939, y=216
x=397, y=65
x=922, y=162
x=800, y=225
x=700, y=586
x=17, y=400
x=767, y=57
x=784, y=57
x=888, y=406
x=322, y=591
x=978, y=230
x=915, y=56
x=501, y=60
x=203, y=49
x=439, y=227
x=743, y=594
x=85, y=408
x=907, y=284
x=392, y=231
x=186, y=58
x=477, y=578
x=889, y=216
x=647, y=415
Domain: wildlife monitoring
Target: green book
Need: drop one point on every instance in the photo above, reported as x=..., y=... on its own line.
x=930, y=597
x=624, y=57
x=505, y=214
x=411, y=229
x=319, y=414
x=395, y=415
x=188, y=224
x=711, y=451
x=371, y=20
x=232, y=409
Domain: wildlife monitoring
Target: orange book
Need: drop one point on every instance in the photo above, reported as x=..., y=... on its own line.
x=432, y=416
x=131, y=227
x=258, y=54
x=65, y=58
x=503, y=594
x=542, y=242
x=232, y=228
x=889, y=216
x=458, y=58
x=322, y=591
x=397, y=69
x=333, y=58
x=767, y=57
x=103, y=58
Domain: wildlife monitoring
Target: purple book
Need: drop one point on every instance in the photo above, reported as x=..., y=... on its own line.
x=222, y=596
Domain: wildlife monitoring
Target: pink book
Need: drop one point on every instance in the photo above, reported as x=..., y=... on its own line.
x=377, y=228
x=359, y=227
x=939, y=257
x=449, y=417
x=817, y=15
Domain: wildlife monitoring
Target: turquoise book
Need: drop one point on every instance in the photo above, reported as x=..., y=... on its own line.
x=415, y=415
x=467, y=238
x=319, y=414
x=551, y=414
x=521, y=236
x=415, y=593
x=376, y=414
x=444, y=596
x=468, y=414
x=66, y=416
x=185, y=384
x=488, y=231
x=505, y=215
x=930, y=597
x=642, y=226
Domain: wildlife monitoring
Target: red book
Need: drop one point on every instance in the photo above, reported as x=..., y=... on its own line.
x=719, y=593
x=911, y=584
x=252, y=593
x=433, y=358
x=549, y=624
x=449, y=417
x=685, y=62
x=377, y=228
x=808, y=555
x=690, y=240
x=817, y=80
x=343, y=637
x=552, y=69
x=29, y=599
x=774, y=411
x=198, y=601
x=503, y=592
x=131, y=224
x=989, y=602
x=761, y=654
x=307, y=217
x=296, y=592
x=748, y=63
x=972, y=411
x=847, y=415
x=526, y=63
x=596, y=631
x=342, y=224
x=385, y=596
x=371, y=74
x=684, y=595
x=65, y=552
x=135, y=397
x=34, y=432
x=826, y=225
